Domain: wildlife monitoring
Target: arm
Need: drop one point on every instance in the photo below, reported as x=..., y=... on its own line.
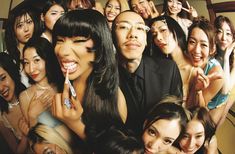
x=70, y=116
x=229, y=76
x=122, y=105
x=176, y=85
x=24, y=103
x=211, y=146
x=153, y=11
x=216, y=80
x=18, y=148
x=204, y=88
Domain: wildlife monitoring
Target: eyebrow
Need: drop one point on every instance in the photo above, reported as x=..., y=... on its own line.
x=202, y=41
x=155, y=129
x=199, y=133
x=125, y=21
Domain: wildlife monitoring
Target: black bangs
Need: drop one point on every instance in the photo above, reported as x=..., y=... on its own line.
x=68, y=26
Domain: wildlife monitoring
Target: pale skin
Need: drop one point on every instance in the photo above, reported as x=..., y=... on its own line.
x=145, y=8
x=160, y=135
x=49, y=19
x=7, y=88
x=111, y=10
x=194, y=139
x=173, y=4
x=225, y=41
x=131, y=41
x=205, y=87
x=163, y=38
x=35, y=99
x=23, y=30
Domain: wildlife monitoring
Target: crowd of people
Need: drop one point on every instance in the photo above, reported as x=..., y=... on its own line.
x=123, y=79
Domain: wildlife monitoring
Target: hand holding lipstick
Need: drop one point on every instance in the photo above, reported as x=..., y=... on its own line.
x=67, y=107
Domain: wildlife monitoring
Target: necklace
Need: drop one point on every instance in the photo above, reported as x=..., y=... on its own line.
x=11, y=105
x=42, y=87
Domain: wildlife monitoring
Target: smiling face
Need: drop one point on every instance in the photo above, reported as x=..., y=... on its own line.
x=198, y=47
x=23, y=28
x=131, y=37
x=194, y=137
x=174, y=7
x=112, y=9
x=7, y=85
x=52, y=15
x=47, y=148
x=224, y=36
x=75, y=53
x=34, y=65
x=160, y=135
x=163, y=38
x=141, y=7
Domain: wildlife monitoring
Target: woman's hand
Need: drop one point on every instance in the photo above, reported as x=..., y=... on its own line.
x=39, y=104
x=229, y=50
x=152, y=10
x=202, y=81
x=23, y=126
x=65, y=107
x=190, y=10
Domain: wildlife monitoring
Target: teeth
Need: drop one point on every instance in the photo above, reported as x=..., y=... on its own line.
x=69, y=66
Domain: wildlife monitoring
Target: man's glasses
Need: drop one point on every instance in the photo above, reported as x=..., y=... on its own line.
x=128, y=27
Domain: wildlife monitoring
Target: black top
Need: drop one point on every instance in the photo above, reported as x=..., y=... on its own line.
x=156, y=78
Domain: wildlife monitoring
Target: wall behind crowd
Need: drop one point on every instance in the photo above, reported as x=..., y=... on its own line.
x=200, y=6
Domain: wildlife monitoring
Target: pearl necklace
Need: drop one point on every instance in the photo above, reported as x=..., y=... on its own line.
x=42, y=87
x=11, y=105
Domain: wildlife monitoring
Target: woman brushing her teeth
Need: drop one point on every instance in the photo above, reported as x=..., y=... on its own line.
x=83, y=46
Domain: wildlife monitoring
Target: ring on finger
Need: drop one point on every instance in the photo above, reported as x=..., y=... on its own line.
x=67, y=103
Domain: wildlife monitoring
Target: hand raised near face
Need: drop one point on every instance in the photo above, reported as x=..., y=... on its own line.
x=153, y=12
x=65, y=107
x=202, y=81
x=39, y=104
x=190, y=10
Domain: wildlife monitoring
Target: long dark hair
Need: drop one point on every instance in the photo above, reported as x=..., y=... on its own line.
x=218, y=24
x=182, y=14
x=201, y=114
x=168, y=108
x=100, y=100
x=45, y=50
x=10, y=38
x=174, y=28
x=7, y=63
x=119, y=141
x=205, y=25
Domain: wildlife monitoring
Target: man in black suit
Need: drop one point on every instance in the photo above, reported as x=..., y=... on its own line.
x=143, y=80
